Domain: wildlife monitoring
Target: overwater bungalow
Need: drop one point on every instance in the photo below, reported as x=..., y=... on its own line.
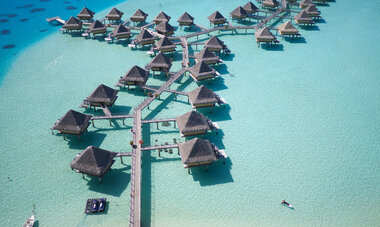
x=287, y=29
x=139, y=16
x=186, y=20
x=196, y=152
x=214, y=44
x=165, y=45
x=93, y=161
x=264, y=36
x=114, y=15
x=73, y=24
x=202, y=97
x=305, y=3
x=160, y=63
x=312, y=11
x=303, y=19
x=201, y=71
x=217, y=18
x=270, y=3
x=319, y=1
x=192, y=123
x=135, y=76
x=207, y=56
x=97, y=27
x=102, y=95
x=161, y=17
x=239, y=13
x=164, y=28
x=72, y=123
x=250, y=8
x=121, y=32
x=145, y=38
x=85, y=14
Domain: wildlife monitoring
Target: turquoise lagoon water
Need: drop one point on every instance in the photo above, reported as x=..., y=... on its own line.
x=302, y=124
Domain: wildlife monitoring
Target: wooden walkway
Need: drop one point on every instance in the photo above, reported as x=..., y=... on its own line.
x=123, y=154
x=157, y=120
x=58, y=19
x=159, y=147
x=167, y=90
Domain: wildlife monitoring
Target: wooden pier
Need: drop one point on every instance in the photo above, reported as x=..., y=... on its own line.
x=159, y=147
x=58, y=19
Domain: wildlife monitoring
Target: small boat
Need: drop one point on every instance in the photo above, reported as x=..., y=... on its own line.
x=95, y=205
x=30, y=221
x=102, y=205
x=287, y=204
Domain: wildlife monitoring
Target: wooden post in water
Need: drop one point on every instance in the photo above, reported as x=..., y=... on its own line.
x=121, y=159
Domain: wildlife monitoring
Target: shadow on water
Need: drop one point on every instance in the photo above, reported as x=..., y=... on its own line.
x=218, y=173
x=216, y=85
x=320, y=21
x=114, y=182
x=295, y=39
x=270, y=47
x=310, y=28
x=87, y=139
x=146, y=180
x=227, y=57
x=219, y=113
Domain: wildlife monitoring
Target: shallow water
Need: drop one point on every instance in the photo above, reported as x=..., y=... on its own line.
x=301, y=125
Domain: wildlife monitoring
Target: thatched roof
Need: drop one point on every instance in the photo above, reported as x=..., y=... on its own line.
x=102, y=94
x=86, y=13
x=264, y=34
x=202, y=95
x=144, y=36
x=250, y=7
x=239, y=12
x=139, y=14
x=136, y=74
x=270, y=3
x=121, y=30
x=72, y=121
x=165, y=43
x=201, y=69
x=216, y=17
x=287, y=27
x=305, y=3
x=97, y=26
x=164, y=27
x=73, y=23
x=115, y=13
x=160, y=61
x=206, y=55
x=196, y=150
x=312, y=10
x=192, y=122
x=186, y=18
x=214, y=43
x=303, y=17
x=93, y=161
x=161, y=17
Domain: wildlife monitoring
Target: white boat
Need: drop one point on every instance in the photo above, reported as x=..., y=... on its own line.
x=29, y=222
x=287, y=204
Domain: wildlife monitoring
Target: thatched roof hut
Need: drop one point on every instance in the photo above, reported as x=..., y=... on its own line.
x=270, y=3
x=160, y=63
x=135, y=76
x=102, y=95
x=196, y=152
x=145, y=38
x=287, y=28
x=121, y=32
x=165, y=45
x=72, y=122
x=207, y=56
x=93, y=161
x=312, y=11
x=97, y=27
x=217, y=18
x=139, y=16
x=214, y=44
x=186, y=20
x=303, y=19
x=305, y=3
x=73, y=24
x=250, y=7
x=201, y=71
x=239, y=13
x=164, y=28
x=192, y=123
x=161, y=17
x=114, y=14
x=85, y=14
x=264, y=35
x=202, y=97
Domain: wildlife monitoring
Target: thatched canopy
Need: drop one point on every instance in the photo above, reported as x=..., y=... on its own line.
x=165, y=43
x=139, y=16
x=217, y=18
x=97, y=27
x=165, y=28
x=306, y=3
x=207, y=56
x=196, y=151
x=239, y=13
x=214, y=44
x=73, y=122
x=145, y=37
x=312, y=11
x=201, y=71
x=303, y=18
x=93, y=161
x=287, y=28
x=270, y=3
x=103, y=94
x=192, y=122
x=161, y=17
x=186, y=19
x=73, y=24
x=114, y=14
x=161, y=61
x=264, y=35
x=202, y=96
x=250, y=7
x=136, y=75
x=85, y=14
x=121, y=32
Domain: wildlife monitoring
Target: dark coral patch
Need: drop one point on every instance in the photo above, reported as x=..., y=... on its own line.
x=71, y=7
x=43, y=30
x=5, y=32
x=3, y=20
x=24, y=6
x=36, y=10
x=11, y=15
x=9, y=46
x=66, y=2
x=44, y=0
x=24, y=19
